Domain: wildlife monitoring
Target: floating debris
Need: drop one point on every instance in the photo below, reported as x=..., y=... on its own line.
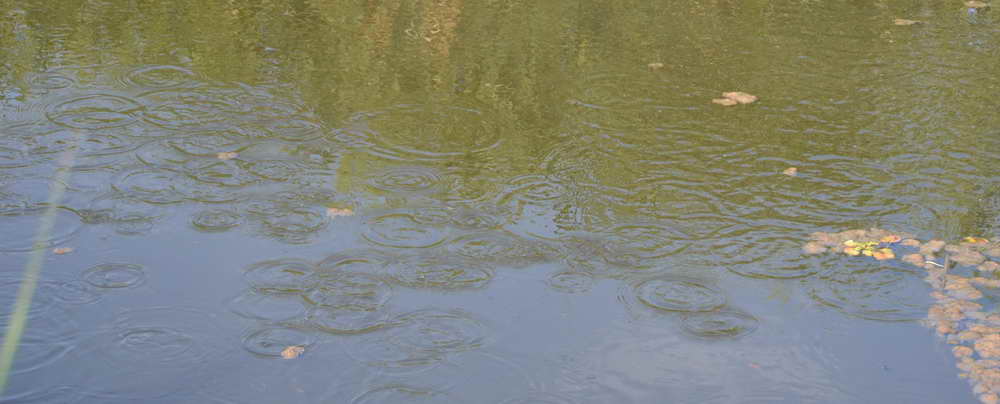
x=655, y=66
x=976, y=4
x=227, y=155
x=955, y=315
x=813, y=248
x=883, y=254
x=791, y=171
x=892, y=238
x=914, y=259
x=337, y=212
x=735, y=97
x=905, y=22
x=62, y=250
x=292, y=352
x=726, y=102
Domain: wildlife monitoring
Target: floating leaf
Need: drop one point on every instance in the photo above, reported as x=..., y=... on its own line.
x=852, y=251
x=726, y=102
x=227, y=155
x=292, y=352
x=976, y=4
x=903, y=21
x=655, y=66
x=62, y=250
x=883, y=254
x=975, y=240
x=813, y=248
x=867, y=252
x=891, y=239
x=740, y=97
x=852, y=243
x=791, y=171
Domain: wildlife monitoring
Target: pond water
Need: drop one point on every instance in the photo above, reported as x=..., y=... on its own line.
x=441, y=201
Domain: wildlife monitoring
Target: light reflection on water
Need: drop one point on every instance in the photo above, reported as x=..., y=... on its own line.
x=451, y=201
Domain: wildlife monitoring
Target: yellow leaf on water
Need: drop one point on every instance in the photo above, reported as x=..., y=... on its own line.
x=975, y=240
x=62, y=250
x=292, y=352
x=867, y=252
x=655, y=66
x=227, y=155
x=791, y=171
x=852, y=243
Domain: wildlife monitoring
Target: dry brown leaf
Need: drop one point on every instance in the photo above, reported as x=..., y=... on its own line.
x=891, y=239
x=726, y=102
x=813, y=248
x=791, y=171
x=988, y=266
x=740, y=97
x=914, y=259
x=292, y=352
x=227, y=155
x=62, y=250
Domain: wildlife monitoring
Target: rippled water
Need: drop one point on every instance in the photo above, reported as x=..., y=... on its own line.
x=486, y=203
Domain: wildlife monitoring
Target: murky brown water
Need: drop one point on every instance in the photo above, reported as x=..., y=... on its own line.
x=495, y=202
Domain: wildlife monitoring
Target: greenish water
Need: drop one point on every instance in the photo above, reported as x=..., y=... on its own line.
x=486, y=202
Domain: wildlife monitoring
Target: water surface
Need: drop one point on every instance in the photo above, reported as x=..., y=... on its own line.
x=495, y=202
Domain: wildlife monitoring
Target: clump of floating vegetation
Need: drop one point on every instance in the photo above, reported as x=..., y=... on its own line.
x=961, y=274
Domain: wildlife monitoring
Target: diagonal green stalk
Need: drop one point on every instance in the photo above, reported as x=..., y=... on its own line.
x=25, y=293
